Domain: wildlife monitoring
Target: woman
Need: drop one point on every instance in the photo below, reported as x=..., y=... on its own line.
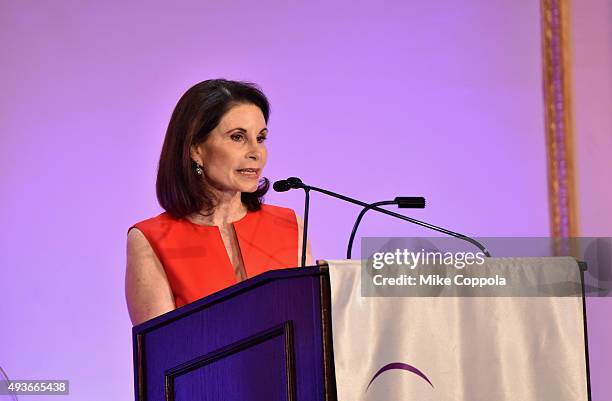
x=215, y=230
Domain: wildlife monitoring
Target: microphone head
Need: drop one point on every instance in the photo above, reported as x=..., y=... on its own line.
x=294, y=182
x=281, y=186
x=410, y=202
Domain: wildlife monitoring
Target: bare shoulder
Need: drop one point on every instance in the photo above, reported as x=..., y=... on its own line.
x=137, y=242
x=147, y=290
x=140, y=254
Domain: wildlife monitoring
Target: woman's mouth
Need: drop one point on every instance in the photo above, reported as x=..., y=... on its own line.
x=249, y=172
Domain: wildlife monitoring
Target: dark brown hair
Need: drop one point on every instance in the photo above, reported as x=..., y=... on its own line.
x=180, y=191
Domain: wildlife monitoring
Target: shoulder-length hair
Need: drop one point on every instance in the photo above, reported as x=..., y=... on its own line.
x=180, y=190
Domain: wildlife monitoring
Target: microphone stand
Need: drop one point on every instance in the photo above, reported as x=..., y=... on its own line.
x=294, y=182
x=305, y=230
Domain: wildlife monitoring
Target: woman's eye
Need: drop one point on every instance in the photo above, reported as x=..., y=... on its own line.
x=260, y=139
x=236, y=137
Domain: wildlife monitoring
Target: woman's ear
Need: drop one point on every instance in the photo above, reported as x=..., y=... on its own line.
x=196, y=154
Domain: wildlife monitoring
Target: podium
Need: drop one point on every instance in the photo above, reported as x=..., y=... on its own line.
x=270, y=338
x=266, y=338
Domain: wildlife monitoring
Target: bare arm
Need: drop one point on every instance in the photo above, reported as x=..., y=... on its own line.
x=147, y=290
x=300, y=224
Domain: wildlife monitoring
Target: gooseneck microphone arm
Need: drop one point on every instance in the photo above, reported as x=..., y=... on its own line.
x=294, y=182
x=349, y=248
x=305, y=230
x=403, y=202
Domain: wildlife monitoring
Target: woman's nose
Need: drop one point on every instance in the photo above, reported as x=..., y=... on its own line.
x=254, y=154
x=254, y=151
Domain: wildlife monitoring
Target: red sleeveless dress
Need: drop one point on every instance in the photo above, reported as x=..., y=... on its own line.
x=195, y=259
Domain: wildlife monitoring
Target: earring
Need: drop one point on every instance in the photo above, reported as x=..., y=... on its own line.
x=199, y=170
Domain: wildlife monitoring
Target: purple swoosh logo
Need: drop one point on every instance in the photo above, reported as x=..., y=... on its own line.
x=400, y=366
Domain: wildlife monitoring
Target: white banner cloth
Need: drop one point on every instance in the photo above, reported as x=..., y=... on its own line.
x=447, y=349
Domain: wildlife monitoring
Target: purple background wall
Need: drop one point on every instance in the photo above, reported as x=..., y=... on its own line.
x=370, y=99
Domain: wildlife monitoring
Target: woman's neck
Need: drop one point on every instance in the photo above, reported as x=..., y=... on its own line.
x=228, y=210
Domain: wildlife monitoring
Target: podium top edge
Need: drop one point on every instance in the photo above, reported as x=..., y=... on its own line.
x=261, y=279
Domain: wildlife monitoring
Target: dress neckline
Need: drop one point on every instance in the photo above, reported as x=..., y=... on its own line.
x=239, y=221
x=238, y=227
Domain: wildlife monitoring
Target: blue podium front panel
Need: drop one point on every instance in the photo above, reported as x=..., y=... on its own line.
x=257, y=368
x=259, y=340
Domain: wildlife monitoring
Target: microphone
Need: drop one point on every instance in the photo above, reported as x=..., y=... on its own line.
x=281, y=186
x=294, y=182
x=413, y=202
x=286, y=185
x=403, y=202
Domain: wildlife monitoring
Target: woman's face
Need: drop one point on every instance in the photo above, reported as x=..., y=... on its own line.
x=234, y=154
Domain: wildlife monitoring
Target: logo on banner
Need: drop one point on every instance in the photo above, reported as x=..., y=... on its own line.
x=400, y=366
